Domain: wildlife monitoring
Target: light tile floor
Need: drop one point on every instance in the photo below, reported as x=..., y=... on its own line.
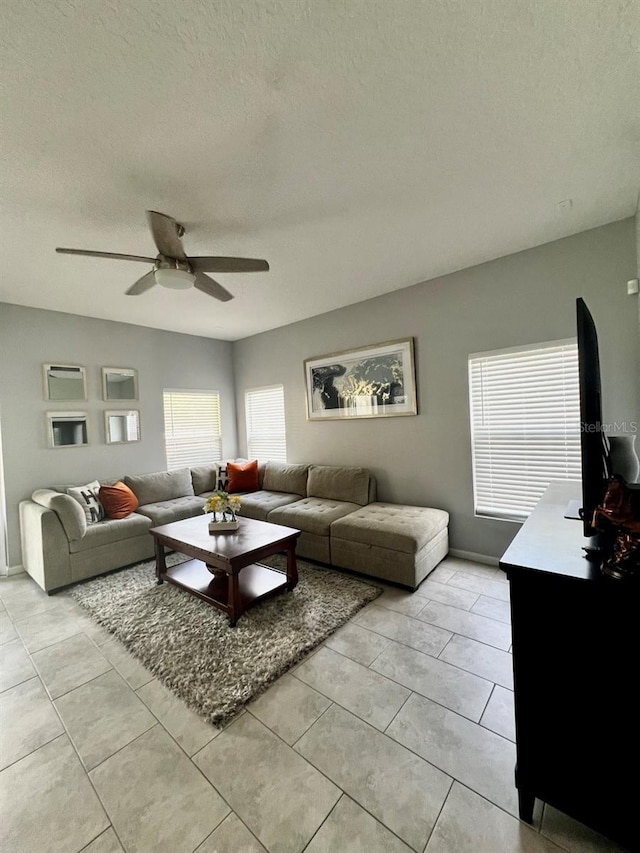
x=395, y=735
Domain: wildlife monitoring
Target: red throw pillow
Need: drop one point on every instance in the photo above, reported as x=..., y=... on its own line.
x=118, y=500
x=243, y=477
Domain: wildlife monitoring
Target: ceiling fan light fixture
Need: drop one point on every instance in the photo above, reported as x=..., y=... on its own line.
x=176, y=279
x=172, y=268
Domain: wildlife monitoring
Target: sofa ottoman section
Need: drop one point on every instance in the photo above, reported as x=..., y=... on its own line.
x=394, y=542
x=314, y=517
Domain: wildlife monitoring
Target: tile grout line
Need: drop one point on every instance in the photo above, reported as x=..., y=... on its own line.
x=100, y=834
x=442, y=808
x=333, y=782
x=397, y=742
x=420, y=651
x=134, y=690
x=226, y=817
x=353, y=796
x=436, y=657
x=84, y=683
x=399, y=684
x=152, y=712
x=63, y=733
x=326, y=818
x=478, y=616
x=37, y=674
x=440, y=627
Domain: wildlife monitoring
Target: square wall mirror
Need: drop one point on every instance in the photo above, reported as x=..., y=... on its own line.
x=119, y=383
x=67, y=429
x=121, y=427
x=64, y=382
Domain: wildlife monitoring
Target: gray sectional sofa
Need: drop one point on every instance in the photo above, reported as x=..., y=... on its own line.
x=335, y=508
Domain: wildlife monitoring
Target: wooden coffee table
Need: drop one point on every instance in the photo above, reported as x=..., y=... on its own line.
x=224, y=571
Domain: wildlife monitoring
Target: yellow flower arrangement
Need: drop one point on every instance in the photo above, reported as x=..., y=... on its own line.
x=223, y=503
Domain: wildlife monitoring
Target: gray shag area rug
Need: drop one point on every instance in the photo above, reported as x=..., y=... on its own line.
x=188, y=644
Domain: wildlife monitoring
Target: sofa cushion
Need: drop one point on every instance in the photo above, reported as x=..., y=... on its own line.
x=395, y=527
x=110, y=531
x=204, y=478
x=282, y=477
x=67, y=509
x=339, y=483
x=162, y=486
x=87, y=498
x=164, y=512
x=313, y=515
x=118, y=500
x=243, y=476
x=259, y=504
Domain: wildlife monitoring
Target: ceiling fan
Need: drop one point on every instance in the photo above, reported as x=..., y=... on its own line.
x=172, y=268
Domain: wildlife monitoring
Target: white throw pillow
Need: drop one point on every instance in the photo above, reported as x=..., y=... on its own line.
x=87, y=497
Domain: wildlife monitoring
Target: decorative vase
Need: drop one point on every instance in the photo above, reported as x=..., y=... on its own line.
x=624, y=459
x=223, y=526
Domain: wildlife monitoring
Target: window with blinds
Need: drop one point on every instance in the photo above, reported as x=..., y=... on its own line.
x=266, y=434
x=525, y=425
x=192, y=428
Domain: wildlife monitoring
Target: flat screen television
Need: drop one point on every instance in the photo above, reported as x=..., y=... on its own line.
x=593, y=438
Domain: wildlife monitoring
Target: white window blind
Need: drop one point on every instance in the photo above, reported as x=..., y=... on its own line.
x=525, y=425
x=266, y=434
x=192, y=431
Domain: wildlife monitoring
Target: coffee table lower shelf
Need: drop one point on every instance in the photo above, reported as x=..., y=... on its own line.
x=255, y=582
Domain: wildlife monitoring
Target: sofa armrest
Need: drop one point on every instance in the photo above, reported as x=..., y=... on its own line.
x=67, y=509
x=45, y=546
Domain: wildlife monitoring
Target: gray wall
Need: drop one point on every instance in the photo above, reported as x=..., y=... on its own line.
x=524, y=298
x=30, y=337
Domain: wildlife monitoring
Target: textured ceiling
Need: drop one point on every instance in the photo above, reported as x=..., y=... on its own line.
x=359, y=145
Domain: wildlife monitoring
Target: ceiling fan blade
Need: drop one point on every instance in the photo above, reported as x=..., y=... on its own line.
x=142, y=284
x=166, y=234
x=211, y=288
x=228, y=265
x=105, y=255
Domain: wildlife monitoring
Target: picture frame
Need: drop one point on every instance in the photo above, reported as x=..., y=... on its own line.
x=121, y=427
x=119, y=384
x=67, y=429
x=376, y=381
x=64, y=382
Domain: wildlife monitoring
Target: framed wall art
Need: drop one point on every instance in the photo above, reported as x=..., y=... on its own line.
x=375, y=381
x=66, y=429
x=121, y=427
x=119, y=383
x=64, y=382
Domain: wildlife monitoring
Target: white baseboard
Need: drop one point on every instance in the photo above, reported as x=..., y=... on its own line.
x=15, y=570
x=477, y=558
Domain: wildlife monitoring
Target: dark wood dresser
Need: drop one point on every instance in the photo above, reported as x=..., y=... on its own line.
x=576, y=638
